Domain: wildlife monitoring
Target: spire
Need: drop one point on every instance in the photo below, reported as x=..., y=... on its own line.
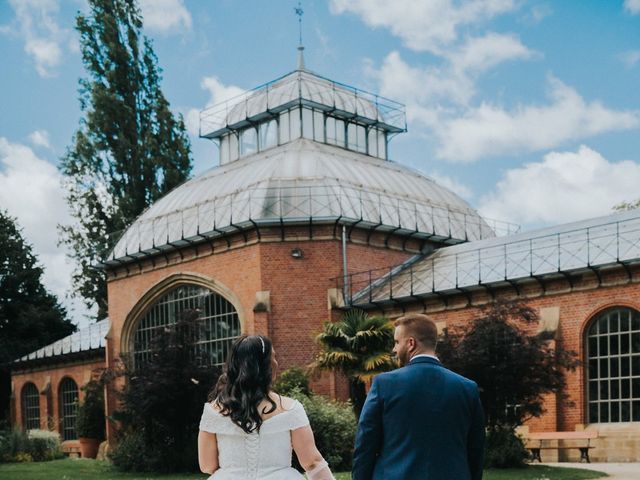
x=299, y=13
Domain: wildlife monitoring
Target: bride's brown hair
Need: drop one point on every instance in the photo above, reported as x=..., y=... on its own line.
x=246, y=382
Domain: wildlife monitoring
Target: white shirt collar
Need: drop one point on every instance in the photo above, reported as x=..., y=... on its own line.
x=424, y=355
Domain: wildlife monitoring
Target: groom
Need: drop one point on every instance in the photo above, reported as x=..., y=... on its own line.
x=420, y=421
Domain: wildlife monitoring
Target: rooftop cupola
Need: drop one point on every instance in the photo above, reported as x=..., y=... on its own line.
x=303, y=104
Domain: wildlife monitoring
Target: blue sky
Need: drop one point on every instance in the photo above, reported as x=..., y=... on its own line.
x=528, y=109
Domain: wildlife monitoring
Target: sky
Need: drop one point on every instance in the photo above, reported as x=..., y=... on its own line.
x=528, y=109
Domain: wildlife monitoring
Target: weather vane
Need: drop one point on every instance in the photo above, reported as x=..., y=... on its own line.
x=299, y=13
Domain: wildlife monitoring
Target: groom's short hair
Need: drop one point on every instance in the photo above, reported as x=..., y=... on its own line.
x=420, y=327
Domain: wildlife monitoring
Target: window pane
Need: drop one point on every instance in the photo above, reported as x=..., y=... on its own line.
x=603, y=324
x=625, y=411
x=284, y=127
x=625, y=388
x=593, y=412
x=635, y=343
x=307, y=123
x=615, y=389
x=248, y=141
x=625, y=362
x=593, y=347
x=603, y=349
x=233, y=147
x=224, y=149
x=268, y=134
x=331, y=130
x=382, y=145
x=635, y=387
x=613, y=322
x=361, y=139
x=294, y=119
x=604, y=390
x=593, y=390
x=635, y=365
x=340, y=136
x=372, y=142
x=593, y=369
x=624, y=321
x=352, y=137
x=635, y=411
x=613, y=345
x=635, y=321
x=615, y=412
x=614, y=370
x=318, y=126
x=604, y=412
x=624, y=343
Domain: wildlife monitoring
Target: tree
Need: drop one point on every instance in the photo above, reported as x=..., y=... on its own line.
x=129, y=149
x=358, y=346
x=513, y=368
x=30, y=317
x=624, y=206
x=162, y=401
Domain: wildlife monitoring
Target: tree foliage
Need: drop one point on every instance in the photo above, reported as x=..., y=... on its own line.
x=162, y=402
x=129, y=149
x=359, y=346
x=513, y=368
x=30, y=316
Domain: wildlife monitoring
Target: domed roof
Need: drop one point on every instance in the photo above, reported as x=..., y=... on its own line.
x=302, y=181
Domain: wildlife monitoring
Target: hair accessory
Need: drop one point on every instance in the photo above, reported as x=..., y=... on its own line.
x=262, y=342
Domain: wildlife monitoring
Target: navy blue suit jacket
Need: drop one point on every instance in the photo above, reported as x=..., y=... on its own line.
x=420, y=422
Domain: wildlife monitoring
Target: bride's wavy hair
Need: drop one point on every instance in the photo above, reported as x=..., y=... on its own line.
x=246, y=382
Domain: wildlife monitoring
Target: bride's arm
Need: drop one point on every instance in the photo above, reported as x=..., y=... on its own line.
x=207, y=452
x=308, y=455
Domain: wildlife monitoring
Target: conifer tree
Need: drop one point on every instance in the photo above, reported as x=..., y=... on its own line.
x=129, y=149
x=30, y=317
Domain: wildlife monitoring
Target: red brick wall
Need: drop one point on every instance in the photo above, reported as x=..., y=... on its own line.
x=53, y=375
x=578, y=305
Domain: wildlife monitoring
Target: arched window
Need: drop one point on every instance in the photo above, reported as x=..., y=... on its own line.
x=613, y=375
x=219, y=324
x=30, y=402
x=68, y=406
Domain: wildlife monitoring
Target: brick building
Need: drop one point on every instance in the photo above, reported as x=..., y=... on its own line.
x=306, y=215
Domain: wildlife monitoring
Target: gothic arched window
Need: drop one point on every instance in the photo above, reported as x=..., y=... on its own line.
x=613, y=374
x=218, y=323
x=68, y=407
x=30, y=402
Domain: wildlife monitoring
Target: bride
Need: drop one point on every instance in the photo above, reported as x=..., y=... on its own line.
x=247, y=431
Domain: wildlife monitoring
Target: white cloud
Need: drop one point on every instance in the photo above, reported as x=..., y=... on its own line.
x=484, y=53
x=489, y=129
x=563, y=187
x=423, y=26
x=630, y=58
x=165, y=16
x=40, y=138
x=451, y=82
x=31, y=191
x=43, y=38
x=632, y=6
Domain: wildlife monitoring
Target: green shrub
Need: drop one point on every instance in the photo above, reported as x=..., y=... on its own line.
x=90, y=419
x=292, y=379
x=44, y=445
x=35, y=445
x=334, y=428
x=12, y=442
x=504, y=449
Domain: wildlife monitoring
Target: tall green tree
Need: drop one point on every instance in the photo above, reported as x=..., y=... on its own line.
x=30, y=317
x=359, y=346
x=129, y=150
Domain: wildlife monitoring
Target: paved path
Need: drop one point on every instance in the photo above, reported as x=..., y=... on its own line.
x=616, y=471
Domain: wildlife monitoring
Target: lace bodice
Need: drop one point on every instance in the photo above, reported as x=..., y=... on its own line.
x=264, y=455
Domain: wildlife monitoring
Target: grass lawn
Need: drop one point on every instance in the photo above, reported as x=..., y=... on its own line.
x=92, y=470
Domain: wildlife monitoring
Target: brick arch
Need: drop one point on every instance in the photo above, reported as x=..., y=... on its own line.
x=590, y=318
x=167, y=284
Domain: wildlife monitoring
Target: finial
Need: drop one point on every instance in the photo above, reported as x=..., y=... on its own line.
x=299, y=13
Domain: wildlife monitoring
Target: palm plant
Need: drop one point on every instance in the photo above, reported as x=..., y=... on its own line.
x=359, y=346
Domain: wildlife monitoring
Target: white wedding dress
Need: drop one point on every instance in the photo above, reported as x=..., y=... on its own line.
x=251, y=456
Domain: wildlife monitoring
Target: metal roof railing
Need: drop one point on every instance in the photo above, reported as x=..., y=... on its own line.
x=312, y=204
x=464, y=266
x=302, y=88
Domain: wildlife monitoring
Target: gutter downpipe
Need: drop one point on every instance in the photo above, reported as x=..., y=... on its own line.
x=345, y=285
